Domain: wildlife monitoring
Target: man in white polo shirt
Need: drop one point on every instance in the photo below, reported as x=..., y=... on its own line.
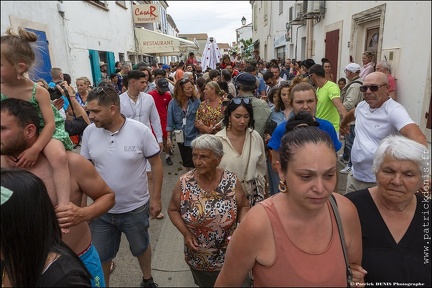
x=120, y=147
x=376, y=117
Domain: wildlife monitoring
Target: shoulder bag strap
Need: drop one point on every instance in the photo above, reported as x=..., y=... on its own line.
x=247, y=165
x=341, y=235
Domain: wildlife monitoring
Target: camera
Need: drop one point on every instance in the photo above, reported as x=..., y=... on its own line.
x=55, y=92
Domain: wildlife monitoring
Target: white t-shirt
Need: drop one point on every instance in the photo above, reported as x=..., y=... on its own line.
x=372, y=126
x=121, y=158
x=143, y=110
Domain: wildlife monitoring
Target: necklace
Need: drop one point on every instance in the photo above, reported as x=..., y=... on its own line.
x=137, y=110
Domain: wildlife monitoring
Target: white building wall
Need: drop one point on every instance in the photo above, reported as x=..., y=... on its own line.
x=406, y=25
x=40, y=16
x=84, y=26
x=90, y=27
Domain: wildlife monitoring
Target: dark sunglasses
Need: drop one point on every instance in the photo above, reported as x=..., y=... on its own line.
x=99, y=89
x=372, y=88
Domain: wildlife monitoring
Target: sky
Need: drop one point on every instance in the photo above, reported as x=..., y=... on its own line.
x=219, y=19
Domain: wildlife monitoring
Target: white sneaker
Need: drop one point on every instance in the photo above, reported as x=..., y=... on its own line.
x=346, y=170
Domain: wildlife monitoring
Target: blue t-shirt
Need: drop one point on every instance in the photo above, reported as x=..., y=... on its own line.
x=324, y=125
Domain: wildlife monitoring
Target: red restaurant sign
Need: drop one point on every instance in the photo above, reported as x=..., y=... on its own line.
x=146, y=13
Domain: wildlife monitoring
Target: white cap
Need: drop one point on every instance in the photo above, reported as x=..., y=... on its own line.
x=353, y=67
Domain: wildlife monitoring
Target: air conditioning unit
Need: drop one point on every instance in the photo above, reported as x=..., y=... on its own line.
x=295, y=13
x=298, y=11
x=315, y=7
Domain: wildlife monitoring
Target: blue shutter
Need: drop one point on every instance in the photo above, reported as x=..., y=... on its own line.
x=42, y=68
x=110, y=62
x=94, y=63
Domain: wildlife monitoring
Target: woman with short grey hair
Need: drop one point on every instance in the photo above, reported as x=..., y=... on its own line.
x=206, y=205
x=392, y=214
x=210, y=142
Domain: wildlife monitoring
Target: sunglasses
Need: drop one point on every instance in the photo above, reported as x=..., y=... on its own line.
x=238, y=100
x=372, y=88
x=99, y=89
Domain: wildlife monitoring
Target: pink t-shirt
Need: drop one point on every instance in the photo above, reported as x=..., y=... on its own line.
x=391, y=83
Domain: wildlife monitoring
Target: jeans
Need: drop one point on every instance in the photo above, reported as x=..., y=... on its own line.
x=349, y=140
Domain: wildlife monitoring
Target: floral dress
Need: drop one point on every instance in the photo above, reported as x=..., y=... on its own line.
x=211, y=217
x=210, y=116
x=60, y=132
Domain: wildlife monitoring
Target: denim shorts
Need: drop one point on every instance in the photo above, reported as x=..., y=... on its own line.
x=106, y=232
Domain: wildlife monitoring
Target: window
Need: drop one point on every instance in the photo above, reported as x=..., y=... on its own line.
x=102, y=4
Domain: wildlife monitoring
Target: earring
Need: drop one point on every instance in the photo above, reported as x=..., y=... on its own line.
x=229, y=125
x=282, y=187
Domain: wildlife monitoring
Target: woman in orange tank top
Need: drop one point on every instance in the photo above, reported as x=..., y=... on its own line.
x=291, y=239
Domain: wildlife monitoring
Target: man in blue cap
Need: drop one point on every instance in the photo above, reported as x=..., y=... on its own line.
x=246, y=84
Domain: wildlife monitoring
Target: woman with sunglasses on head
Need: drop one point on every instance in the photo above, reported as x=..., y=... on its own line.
x=244, y=152
x=210, y=112
x=182, y=111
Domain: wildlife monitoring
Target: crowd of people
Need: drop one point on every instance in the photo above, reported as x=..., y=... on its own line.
x=256, y=201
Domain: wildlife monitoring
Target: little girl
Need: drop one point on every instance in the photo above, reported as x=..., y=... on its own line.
x=17, y=56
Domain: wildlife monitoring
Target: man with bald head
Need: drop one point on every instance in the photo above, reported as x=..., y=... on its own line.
x=377, y=116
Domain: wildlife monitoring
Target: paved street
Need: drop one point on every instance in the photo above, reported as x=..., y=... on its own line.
x=168, y=265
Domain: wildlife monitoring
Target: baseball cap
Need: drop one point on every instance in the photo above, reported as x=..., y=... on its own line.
x=352, y=67
x=165, y=66
x=163, y=85
x=246, y=78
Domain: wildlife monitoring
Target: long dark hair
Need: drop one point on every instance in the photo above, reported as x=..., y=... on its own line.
x=233, y=106
x=29, y=228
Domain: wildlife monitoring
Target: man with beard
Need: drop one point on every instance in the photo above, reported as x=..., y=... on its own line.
x=121, y=148
x=19, y=130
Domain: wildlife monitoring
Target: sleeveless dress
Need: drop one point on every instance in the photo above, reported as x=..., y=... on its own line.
x=294, y=267
x=60, y=132
x=211, y=217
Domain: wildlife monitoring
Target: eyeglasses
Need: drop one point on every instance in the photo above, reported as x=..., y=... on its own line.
x=100, y=89
x=238, y=100
x=372, y=88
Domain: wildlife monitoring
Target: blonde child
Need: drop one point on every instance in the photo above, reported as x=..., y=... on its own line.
x=17, y=56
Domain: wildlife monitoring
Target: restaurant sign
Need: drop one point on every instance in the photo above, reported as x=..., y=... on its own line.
x=146, y=13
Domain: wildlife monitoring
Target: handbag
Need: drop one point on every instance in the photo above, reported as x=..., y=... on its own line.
x=342, y=239
x=178, y=136
x=255, y=191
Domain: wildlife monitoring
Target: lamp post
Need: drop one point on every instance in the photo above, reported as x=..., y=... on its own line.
x=243, y=21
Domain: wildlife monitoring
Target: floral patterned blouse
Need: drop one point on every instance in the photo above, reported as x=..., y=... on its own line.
x=210, y=116
x=211, y=217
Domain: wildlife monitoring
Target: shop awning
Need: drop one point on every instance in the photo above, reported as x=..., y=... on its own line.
x=158, y=44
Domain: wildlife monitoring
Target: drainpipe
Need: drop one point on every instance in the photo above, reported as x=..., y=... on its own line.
x=309, y=38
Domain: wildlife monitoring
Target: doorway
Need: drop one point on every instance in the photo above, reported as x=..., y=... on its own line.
x=371, y=43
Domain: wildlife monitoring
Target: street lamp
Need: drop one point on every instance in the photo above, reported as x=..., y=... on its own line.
x=243, y=21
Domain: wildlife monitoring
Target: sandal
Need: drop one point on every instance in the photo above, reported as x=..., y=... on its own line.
x=160, y=216
x=113, y=266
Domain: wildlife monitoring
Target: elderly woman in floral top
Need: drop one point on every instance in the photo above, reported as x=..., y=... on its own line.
x=205, y=206
x=210, y=113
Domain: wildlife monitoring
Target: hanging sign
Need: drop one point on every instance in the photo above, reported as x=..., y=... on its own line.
x=146, y=13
